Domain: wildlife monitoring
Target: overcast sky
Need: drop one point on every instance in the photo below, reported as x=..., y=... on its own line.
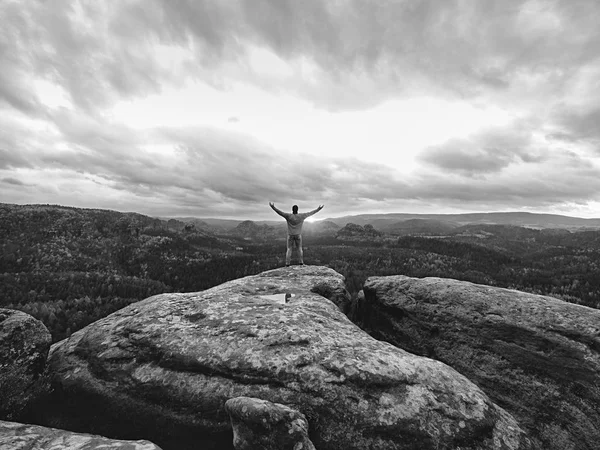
x=213, y=108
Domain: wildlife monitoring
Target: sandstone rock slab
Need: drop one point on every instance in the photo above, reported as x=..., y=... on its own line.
x=24, y=346
x=163, y=369
x=17, y=436
x=260, y=424
x=538, y=357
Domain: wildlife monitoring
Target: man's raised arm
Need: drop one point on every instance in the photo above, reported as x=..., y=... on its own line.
x=277, y=210
x=314, y=211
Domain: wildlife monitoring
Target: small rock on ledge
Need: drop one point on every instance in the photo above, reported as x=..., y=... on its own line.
x=260, y=424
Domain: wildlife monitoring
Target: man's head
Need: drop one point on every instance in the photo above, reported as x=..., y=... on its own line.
x=295, y=209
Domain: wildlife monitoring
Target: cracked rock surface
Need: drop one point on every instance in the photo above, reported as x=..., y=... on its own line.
x=163, y=369
x=538, y=357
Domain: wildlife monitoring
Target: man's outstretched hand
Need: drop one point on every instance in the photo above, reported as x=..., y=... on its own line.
x=272, y=205
x=320, y=207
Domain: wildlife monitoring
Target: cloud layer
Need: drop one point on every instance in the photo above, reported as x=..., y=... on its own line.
x=327, y=72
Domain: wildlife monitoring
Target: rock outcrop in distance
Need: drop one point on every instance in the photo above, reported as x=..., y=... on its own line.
x=17, y=436
x=537, y=357
x=353, y=231
x=163, y=369
x=24, y=346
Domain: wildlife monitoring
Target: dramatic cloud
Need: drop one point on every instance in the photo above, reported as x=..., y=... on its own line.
x=12, y=181
x=487, y=152
x=371, y=49
x=583, y=126
x=210, y=108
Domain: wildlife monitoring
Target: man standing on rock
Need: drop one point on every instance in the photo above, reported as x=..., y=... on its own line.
x=294, y=224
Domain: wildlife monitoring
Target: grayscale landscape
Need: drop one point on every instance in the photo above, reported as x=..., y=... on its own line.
x=278, y=224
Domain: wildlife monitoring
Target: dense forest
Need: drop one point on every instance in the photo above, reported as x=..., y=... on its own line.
x=69, y=267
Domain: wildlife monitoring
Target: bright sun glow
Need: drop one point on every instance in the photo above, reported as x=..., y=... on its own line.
x=391, y=133
x=51, y=94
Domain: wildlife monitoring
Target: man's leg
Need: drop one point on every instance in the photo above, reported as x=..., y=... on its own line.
x=288, y=253
x=300, y=252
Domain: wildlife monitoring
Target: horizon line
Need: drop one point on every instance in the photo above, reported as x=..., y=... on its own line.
x=158, y=216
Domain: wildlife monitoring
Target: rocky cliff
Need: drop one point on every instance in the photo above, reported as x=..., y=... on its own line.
x=537, y=357
x=163, y=369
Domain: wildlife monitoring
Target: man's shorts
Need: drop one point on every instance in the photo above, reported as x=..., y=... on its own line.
x=294, y=241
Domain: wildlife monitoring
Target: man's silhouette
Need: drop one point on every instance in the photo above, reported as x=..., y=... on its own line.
x=294, y=224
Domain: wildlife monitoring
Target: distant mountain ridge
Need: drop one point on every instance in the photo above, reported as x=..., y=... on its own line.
x=522, y=219
x=429, y=222
x=390, y=223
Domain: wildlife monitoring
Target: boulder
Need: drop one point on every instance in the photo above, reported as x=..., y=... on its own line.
x=537, y=357
x=24, y=346
x=163, y=369
x=260, y=424
x=17, y=436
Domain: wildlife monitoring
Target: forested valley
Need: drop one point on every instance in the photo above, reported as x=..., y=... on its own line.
x=69, y=267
